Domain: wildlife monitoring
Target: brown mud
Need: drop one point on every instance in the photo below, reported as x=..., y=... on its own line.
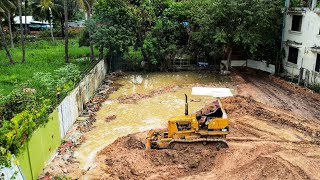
x=274, y=134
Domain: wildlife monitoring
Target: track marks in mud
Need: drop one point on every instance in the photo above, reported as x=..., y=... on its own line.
x=240, y=106
x=278, y=93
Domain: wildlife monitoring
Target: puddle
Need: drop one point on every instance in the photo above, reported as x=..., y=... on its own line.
x=149, y=113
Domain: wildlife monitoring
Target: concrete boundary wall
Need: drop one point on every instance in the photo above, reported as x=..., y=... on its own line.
x=253, y=64
x=46, y=140
x=13, y=172
x=263, y=66
x=73, y=105
x=40, y=149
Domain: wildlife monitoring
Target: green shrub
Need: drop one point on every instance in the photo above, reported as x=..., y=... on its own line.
x=58, y=83
x=315, y=87
x=57, y=33
x=84, y=38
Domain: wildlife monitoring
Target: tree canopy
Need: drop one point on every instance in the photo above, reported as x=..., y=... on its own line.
x=210, y=28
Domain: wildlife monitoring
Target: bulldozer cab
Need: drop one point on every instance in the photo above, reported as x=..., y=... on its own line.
x=215, y=120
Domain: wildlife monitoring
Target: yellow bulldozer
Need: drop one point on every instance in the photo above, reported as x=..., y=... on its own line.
x=209, y=128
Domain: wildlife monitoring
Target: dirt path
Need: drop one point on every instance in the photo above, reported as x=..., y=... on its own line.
x=275, y=134
x=278, y=93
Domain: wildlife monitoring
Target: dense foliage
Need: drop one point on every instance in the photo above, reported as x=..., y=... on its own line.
x=24, y=110
x=29, y=92
x=162, y=29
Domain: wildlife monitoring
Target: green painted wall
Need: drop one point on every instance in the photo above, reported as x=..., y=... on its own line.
x=42, y=146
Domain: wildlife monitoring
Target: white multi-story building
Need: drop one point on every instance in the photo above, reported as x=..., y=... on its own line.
x=301, y=40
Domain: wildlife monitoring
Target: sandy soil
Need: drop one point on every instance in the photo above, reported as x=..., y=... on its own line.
x=275, y=134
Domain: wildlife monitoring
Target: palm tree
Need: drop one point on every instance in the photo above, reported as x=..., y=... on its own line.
x=88, y=6
x=44, y=10
x=66, y=44
x=5, y=5
x=22, y=33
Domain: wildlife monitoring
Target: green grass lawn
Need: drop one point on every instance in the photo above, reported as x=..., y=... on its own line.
x=41, y=56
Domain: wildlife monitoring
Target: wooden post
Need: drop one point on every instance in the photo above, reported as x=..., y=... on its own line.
x=292, y=75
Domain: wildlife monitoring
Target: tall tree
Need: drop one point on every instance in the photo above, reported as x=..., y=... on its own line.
x=66, y=44
x=25, y=16
x=88, y=5
x=4, y=6
x=22, y=33
x=9, y=10
x=117, y=26
x=235, y=23
x=166, y=36
x=10, y=29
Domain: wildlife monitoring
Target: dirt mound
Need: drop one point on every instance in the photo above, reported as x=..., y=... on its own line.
x=126, y=158
x=269, y=167
x=133, y=98
x=134, y=143
x=241, y=106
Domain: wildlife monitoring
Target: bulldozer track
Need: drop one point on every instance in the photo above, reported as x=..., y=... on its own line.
x=223, y=142
x=199, y=140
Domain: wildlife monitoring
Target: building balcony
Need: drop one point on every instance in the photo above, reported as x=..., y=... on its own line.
x=296, y=4
x=315, y=49
x=293, y=43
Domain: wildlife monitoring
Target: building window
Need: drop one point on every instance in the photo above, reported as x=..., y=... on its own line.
x=293, y=55
x=318, y=63
x=296, y=23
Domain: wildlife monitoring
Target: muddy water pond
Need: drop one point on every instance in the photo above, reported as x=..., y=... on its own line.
x=148, y=113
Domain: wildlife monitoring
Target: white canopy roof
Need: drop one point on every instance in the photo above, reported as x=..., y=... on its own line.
x=215, y=92
x=30, y=20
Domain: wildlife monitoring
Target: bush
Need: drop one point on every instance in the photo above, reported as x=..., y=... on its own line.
x=315, y=87
x=57, y=33
x=24, y=110
x=133, y=58
x=59, y=83
x=84, y=38
x=14, y=103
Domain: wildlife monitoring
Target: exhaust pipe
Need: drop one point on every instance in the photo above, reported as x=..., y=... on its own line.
x=186, y=112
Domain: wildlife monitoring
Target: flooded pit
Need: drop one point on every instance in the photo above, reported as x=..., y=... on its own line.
x=149, y=113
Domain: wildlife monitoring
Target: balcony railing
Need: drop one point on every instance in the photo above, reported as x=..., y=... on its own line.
x=300, y=3
x=317, y=7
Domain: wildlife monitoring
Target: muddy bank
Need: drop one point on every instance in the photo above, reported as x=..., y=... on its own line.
x=64, y=161
x=274, y=134
x=134, y=98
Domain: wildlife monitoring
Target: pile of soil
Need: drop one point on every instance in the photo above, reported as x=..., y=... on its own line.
x=130, y=160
